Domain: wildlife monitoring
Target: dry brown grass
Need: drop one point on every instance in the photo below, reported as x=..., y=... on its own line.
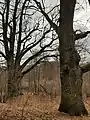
x=35, y=107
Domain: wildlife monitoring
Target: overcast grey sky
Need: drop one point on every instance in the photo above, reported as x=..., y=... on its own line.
x=82, y=15
x=81, y=18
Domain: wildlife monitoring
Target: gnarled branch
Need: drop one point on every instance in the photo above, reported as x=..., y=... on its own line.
x=85, y=68
x=81, y=35
x=53, y=25
x=31, y=67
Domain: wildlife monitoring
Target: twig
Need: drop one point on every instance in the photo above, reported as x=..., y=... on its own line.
x=24, y=108
x=44, y=89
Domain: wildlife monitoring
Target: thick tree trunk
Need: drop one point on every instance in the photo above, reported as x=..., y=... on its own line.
x=13, y=85
x=14, y=81
x=70, y=72
x=71, y=92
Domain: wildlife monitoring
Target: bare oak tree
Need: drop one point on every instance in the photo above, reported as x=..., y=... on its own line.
x=70, y=70
x=22, y=36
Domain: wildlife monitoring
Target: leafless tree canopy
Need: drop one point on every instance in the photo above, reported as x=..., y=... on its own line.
x=23, y=34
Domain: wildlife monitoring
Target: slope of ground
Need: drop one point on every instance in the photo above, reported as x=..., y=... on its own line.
x=35, y=107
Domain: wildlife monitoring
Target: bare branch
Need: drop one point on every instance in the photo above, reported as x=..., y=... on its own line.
x=85, y=68
x=3, y=55
x=14, y=20
x=29, y=34
x=31, y=67
x=5, y=25
x=53, y=25
x=34, y=56
x=20, y=30
x=81, y=35
x=33, y=45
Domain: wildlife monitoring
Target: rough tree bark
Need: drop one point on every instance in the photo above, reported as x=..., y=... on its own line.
x=14, y=78
x=70, y=71
x=14, y=83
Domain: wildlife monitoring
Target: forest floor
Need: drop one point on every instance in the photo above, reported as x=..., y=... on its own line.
x=36, y=107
